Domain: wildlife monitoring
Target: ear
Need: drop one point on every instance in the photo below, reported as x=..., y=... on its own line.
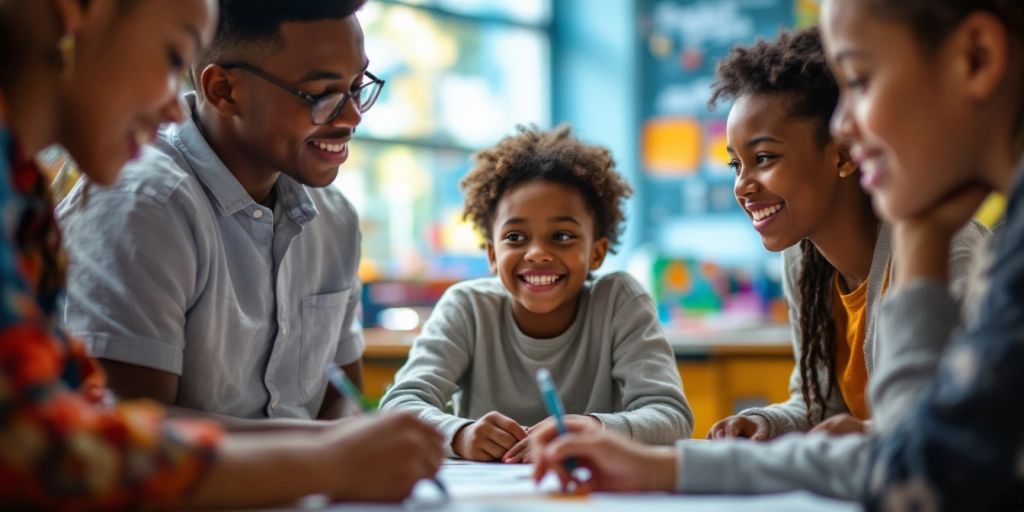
x=220, y=89
x=598, y=252
x=983, y=47
x=492, y=260
x=844, y=163
x=70, y=14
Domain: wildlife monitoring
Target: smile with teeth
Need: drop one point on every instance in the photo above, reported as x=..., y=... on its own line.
x=330, y=148
x=540, y=280
x=764, y=213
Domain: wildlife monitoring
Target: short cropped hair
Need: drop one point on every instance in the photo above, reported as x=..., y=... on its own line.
x=254, y=26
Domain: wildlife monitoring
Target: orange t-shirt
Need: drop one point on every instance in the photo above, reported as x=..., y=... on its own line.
x=851, y=326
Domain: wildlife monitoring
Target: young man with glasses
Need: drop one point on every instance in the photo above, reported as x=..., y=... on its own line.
x=223, y=277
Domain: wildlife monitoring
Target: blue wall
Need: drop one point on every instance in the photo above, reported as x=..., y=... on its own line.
x=596, y=87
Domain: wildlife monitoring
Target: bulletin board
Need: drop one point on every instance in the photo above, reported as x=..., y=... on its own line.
x=685, y=178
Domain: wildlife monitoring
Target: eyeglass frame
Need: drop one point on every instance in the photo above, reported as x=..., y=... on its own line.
x=312, y=99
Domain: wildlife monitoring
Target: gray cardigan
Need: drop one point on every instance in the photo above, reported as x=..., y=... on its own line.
x=826, y=465
x=791, y=415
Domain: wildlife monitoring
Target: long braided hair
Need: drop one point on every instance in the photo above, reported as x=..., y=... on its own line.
x=817, y=330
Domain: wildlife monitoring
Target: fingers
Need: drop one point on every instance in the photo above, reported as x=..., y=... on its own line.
x=543, y=432
x=507, y=425
x=500, y=437
x=543, y=465
x=423, y=440
x=501, y=430
x=516, y=453
x=491, y=450
x=578, y=445
x=738, y=427
x=716, y=430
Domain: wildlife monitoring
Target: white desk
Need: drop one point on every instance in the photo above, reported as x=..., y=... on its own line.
x=476, y=487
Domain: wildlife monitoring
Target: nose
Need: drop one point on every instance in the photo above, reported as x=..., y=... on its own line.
x=538, y=251
x=745, y=184
x=349, y=117
x=841, y=125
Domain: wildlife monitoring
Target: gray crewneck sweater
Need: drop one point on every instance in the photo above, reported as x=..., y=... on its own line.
x=613, y=363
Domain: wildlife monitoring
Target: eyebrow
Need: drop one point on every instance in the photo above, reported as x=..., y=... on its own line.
x=565, y=218
x=755, y=141
x=560, y=218
x=314, y=75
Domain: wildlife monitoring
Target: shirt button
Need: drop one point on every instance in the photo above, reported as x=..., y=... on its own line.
x=257, y=214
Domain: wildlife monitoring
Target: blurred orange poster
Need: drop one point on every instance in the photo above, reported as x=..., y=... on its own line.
x=672, y=146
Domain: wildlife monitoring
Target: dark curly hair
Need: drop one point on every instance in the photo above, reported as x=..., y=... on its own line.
x=792, y=65
x=555, y=156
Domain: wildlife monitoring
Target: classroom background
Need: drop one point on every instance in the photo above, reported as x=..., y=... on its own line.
x=630, y=75
x=633, y=76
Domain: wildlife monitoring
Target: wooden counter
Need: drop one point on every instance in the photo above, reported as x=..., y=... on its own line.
x=722, y=372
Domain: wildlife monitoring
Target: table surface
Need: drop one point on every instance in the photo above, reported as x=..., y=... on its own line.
x=494, y=487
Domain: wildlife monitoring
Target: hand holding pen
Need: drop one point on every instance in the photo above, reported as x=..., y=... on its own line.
x=337, y=378
x=614, y=463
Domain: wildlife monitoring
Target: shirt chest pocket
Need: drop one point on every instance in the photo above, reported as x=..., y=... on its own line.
x=323, y=317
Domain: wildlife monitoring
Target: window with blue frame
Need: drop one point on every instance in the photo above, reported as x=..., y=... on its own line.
x=461, y=74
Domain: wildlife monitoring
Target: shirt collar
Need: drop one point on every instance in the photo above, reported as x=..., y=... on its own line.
x=227, y=192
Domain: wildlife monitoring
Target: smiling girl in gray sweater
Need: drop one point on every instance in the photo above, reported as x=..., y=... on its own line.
x=550, y=209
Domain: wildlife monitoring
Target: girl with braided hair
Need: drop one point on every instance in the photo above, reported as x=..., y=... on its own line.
x=800, y=189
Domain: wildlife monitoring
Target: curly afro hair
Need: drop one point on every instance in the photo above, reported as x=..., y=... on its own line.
x=793, y=65
x=556, y=156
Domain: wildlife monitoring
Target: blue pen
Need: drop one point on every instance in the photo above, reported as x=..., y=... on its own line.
x=549, y=394
x=344, y=385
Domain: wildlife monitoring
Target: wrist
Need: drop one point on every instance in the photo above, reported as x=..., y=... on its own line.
x=664, y=466
x=457, y=441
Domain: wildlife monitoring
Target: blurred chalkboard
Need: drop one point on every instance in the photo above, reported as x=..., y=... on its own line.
x=682, y=145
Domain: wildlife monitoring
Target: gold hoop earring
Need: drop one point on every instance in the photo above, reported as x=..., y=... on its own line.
x=66, y=50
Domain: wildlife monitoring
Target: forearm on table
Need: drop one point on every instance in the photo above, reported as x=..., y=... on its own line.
x=259, y=470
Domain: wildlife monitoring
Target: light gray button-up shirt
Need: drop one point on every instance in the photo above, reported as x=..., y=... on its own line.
x=177, y=268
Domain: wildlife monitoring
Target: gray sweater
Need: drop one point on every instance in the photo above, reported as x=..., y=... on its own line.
x=791, y=415
x=613, y=363
x=838, y=466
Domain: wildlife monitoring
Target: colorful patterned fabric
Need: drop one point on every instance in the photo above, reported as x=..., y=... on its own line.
x=63, y=443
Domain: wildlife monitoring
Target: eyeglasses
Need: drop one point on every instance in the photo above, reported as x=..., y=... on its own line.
x=327, y=106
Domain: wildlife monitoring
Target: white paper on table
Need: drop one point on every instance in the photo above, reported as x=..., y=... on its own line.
x=496, y=487
x=467, y=480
